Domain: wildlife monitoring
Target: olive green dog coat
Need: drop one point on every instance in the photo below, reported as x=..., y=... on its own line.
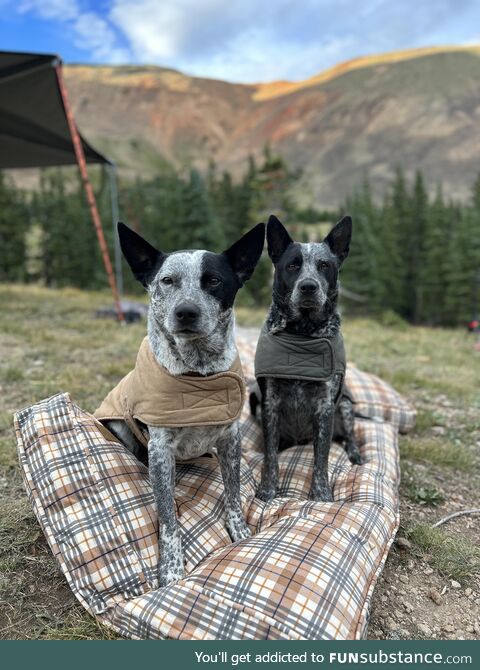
x=312, y=359
x=151, y=395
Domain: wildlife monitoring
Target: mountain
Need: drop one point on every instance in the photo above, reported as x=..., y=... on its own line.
x=417, y=108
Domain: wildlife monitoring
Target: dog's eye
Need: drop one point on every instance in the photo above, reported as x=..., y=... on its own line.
x=214, y=281
x=293, y=266
x=167, y=280
x=322, y=266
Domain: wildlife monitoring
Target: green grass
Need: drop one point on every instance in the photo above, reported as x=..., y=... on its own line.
x=18, y=528
x=11, y=375
x=426, y=419
x=78, y=626
x=424, y=495
x=418, y=360
x=437, y=451
x=454, y=557
x=51, y=342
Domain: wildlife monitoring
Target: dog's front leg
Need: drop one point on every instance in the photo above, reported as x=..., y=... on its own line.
x=347, y=417
x=161, y=458
x=322, y=438
x=229, y=451
x=271, y=438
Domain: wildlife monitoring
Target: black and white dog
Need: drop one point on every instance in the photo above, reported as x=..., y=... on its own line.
x=304, y=307
x=190, y=330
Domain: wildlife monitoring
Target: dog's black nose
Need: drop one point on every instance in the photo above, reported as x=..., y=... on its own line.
x=308, y=287
x=187, y=313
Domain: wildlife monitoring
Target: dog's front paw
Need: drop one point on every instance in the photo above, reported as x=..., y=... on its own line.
x=265, y=493
x=170, y=567
x=267, y=489
x=168, y=575
x=237, y=528
x=355, y=458
x=353, y=453
x=321, y=494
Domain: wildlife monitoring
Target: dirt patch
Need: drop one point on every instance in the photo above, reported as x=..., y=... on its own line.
x=434, y=593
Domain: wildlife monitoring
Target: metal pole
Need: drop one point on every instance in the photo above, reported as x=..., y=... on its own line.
x=115, y=217
x=92, y=203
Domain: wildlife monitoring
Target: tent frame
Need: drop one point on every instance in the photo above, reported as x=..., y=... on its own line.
x=91, y=200
x=37, y=62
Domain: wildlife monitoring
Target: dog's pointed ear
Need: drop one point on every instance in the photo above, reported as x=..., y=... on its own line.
x=142, y=258
x=245, y=253
x=338, y=239
x=278, y=239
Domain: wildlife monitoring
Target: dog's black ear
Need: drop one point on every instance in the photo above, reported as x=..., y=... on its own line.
x=338, y=239
x=143, y=259
x=245, y=253
x=278, y=239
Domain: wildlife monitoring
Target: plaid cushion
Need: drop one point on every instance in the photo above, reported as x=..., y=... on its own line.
x=377, y=400
x=307, y=572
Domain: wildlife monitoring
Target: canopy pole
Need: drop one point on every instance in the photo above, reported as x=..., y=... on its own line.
x=92, y=203
x=118, y=252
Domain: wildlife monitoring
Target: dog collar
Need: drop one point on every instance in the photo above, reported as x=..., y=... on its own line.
x=289, y=356
x=151, y=395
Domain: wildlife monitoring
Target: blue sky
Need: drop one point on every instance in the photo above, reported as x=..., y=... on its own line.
x=240, y=40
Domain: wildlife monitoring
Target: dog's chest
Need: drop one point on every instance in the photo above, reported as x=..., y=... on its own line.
x=298, y=404
x=192, y=442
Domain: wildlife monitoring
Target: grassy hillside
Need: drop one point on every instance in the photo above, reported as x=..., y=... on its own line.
x=51, y=342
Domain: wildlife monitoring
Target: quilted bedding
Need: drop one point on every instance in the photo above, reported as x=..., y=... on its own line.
x=307, y=572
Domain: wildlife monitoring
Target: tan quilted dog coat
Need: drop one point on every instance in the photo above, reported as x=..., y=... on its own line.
x=151, y=395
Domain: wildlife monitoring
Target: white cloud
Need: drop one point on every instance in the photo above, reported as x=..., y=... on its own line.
x=242, y=41
x=63, y=10
x=90, y=32
x=93, y=34
x=161, y=30
x=250, y=40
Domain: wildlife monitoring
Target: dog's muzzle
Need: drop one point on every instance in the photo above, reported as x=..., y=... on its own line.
x=187, y=319
x=308, y=294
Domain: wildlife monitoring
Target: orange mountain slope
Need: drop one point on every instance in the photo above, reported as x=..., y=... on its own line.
x=420, y=108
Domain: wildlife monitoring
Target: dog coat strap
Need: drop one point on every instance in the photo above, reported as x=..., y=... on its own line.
x=290, y=356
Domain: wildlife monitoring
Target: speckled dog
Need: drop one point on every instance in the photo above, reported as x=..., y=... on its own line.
x=300, y=361
x=190, y=332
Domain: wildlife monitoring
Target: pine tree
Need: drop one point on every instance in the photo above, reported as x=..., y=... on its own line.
x=401, y=205
x=13, y=228
x=202, y=227
x=415, y=248
x=390, y=266
x=474, y=255
x=223, y=197
x=432, y=277
x=462, y=294
x=55, y=239
x=70, y=251
x=361, y=271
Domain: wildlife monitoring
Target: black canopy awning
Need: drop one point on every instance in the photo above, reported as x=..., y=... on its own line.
x=34, y=129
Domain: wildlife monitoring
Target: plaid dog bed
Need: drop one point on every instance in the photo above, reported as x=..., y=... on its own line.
x=307, y=572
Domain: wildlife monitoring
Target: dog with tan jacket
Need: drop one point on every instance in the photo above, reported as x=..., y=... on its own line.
x=186, y=392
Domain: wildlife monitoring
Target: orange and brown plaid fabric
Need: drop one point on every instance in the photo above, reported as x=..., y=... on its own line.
x=307, y=572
